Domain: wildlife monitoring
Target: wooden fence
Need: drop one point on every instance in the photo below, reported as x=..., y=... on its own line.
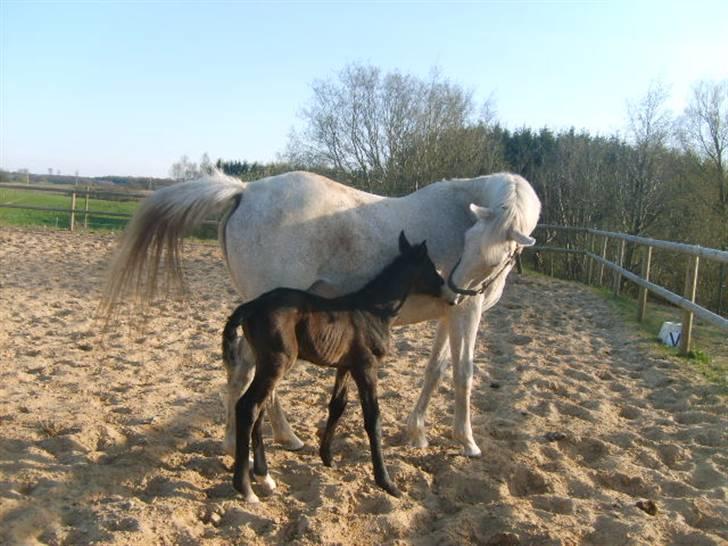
x=75, y=194
x=686, y=302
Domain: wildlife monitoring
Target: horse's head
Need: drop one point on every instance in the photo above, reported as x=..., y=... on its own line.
x=426, y=279
x=490, y=250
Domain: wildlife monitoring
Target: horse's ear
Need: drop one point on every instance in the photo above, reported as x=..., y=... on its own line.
x=404, y=244
x=521, y=238
x=481, y=213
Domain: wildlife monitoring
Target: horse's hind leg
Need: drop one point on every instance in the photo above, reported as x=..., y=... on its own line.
x=366, y=382
x=336, y=408
x=433, y=374
x=239, y=376
x=282, y=431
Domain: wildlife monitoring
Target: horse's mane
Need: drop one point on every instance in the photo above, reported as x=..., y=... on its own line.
x=514, y=201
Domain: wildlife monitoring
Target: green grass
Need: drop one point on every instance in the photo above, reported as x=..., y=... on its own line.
x=57, y=219
x=709, y=354
x=62, y=219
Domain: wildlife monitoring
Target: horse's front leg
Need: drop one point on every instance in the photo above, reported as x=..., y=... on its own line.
x=433, y=374
x=463, y=330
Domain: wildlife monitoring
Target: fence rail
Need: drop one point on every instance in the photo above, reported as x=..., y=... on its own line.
x=686, y=302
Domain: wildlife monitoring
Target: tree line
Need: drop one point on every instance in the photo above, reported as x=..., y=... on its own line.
x=664, y=176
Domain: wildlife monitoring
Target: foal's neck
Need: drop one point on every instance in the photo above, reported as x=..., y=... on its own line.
x=387, y=292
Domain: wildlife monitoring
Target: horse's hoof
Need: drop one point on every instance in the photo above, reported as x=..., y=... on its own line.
x=291, y=444
x=251, y=498
x=472, y=451
x=417, y=438
x=267, y=482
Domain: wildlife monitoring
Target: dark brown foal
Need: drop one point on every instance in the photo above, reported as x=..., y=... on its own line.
x=350, y=333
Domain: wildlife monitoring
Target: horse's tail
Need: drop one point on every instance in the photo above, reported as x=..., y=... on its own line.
x=152, y=242
x=230, y=335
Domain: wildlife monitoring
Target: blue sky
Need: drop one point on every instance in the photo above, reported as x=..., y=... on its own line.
x=128, y=87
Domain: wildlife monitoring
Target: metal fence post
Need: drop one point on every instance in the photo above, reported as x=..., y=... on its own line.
x=691, y=285
x=642, y=298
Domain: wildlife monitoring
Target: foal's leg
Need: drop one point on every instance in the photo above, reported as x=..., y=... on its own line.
x=247, y=411
x=463, y=331
x=433, y=374
x=239, y=376
x=366, y=381
x=336, y=408
x=260, y=465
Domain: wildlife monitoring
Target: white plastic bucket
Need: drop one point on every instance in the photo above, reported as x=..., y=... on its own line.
x=670, y=333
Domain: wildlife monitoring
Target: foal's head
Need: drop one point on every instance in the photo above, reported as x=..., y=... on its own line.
x=416, y=261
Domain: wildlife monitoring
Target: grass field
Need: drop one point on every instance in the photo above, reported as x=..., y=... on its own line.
x=57, y=219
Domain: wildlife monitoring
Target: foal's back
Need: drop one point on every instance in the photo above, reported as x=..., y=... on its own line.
x=303, y=325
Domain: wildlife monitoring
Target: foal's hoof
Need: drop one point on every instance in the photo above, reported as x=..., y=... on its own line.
x=390, y=488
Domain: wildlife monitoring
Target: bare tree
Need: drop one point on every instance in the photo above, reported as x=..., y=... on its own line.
x=649, y=130
x=390, y=132
x=184, y=169
x=704, y=131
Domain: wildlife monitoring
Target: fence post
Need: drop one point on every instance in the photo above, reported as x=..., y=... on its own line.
x=85, y=210
x=721, y=282
x=590, y=266
x=73, y=210
x=691, y=284
x=604, y=257
x=642, y=298
x=617, y=274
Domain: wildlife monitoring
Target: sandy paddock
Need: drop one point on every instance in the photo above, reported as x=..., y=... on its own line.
x=117, y=440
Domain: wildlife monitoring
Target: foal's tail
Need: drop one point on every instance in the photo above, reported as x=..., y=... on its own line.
x=230, y=335
x=152, y=243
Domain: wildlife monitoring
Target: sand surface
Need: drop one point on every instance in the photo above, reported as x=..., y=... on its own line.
x=118, y=440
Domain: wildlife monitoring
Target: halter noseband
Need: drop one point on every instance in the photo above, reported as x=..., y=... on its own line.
x=485, y=284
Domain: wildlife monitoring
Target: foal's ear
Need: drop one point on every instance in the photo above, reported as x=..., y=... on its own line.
x=481, y=213
x=404, y=244
x=422, y=249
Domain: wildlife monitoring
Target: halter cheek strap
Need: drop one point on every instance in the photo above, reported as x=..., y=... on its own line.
x=486, y=283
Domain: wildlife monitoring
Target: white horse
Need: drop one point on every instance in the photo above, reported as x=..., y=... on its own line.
x=304, y=231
